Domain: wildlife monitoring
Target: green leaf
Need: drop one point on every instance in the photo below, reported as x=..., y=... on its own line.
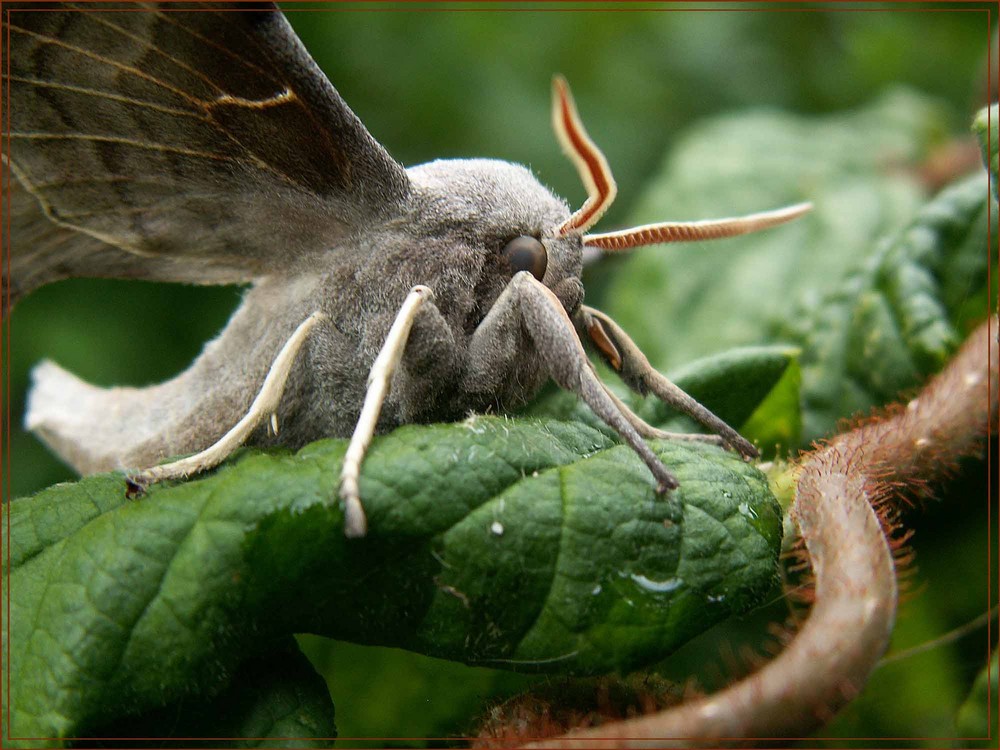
x=899, y=316
x=523, y=544
x=987, y=127
x=977, y=718
x=275, y=700
x=776, y=425
x=712, y=296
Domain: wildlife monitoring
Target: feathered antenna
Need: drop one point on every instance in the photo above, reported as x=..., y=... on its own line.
x=589, y=161
x=601, y=190
x=690, y=231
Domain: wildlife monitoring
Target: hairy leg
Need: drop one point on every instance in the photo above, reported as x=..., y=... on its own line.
x=264, y=406
x=631, y=364
x=379, y=380
x=527, y=304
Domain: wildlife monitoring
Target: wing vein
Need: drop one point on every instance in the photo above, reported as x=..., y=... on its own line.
x=109, y=180
x=50, y=213
x=122, y=141
x=105, y=95
x=73, y=215
x=108, y=61
x=166, y=17
x=151, y=47
x=249, y=158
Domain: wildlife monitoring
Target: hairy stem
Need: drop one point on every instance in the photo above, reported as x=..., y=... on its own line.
x=838, y=646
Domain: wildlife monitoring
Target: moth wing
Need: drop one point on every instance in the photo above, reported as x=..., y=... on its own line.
x=178, y=142
x=42, y=252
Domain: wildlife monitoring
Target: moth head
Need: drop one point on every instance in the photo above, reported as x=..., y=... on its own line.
x=500, y=214
x=496, y=216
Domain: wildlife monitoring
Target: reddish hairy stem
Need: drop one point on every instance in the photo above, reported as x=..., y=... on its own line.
x=832, y=655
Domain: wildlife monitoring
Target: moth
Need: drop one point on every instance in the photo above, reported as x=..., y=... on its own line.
x=191, y=143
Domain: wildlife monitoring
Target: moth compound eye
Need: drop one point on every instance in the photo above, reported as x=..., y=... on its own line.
x=526, y=254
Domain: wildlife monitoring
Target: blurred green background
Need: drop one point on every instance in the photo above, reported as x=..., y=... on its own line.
x=439, y=81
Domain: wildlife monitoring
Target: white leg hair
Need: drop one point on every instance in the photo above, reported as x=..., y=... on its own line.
x=379, y=380
x=263, y=406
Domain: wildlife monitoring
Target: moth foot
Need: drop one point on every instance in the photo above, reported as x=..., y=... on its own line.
x=742, y=446
x=355, y=521
x=135, y=487
x=747, y=450
x=666, y=484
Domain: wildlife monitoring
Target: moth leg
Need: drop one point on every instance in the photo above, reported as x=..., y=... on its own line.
x=264, y=406
x=530, y=303
x=634, y=369
x=379, y=379
x=648, y=431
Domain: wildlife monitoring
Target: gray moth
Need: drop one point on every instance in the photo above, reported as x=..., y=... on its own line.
x=201, y=144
